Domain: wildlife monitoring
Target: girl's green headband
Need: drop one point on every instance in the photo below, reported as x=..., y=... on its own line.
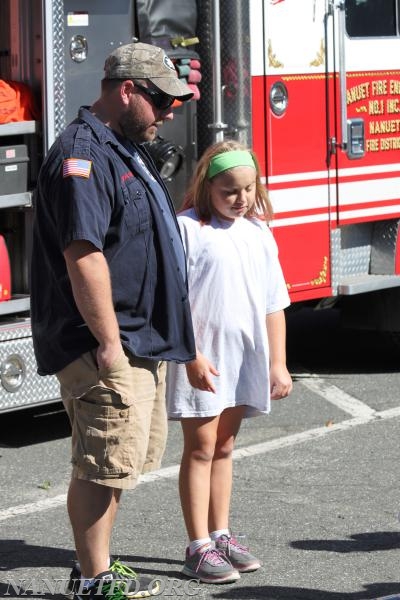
x=228, y=160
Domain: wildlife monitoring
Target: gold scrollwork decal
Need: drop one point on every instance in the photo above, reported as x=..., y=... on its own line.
x=273, y=61
x=322, y=278
x=320, y=58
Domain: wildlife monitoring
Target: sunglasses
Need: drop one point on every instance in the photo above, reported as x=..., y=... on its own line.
x=159, y=99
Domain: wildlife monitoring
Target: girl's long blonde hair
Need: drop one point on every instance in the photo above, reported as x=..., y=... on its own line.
x=198, y=193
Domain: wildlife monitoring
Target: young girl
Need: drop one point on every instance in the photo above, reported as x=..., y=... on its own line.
x=237, y=296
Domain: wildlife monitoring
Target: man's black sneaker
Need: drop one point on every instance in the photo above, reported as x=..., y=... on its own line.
x=106, y=586
x=127, y=584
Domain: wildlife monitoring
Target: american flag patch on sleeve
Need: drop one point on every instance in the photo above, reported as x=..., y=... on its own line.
x=77, y=166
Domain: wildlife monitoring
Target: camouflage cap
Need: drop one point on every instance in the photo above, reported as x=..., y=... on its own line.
x=143, y=61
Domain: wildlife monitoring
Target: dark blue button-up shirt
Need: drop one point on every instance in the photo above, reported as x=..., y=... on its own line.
x=115, y=199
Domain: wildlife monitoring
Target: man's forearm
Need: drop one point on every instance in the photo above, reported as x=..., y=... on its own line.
x=91, y=286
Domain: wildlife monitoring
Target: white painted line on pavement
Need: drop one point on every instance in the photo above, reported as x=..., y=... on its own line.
x=312, y=434
x=166, y=473
x=389, y=413
x=336, y=396
x=238, y=454
x=32, y=507
x=395, y=597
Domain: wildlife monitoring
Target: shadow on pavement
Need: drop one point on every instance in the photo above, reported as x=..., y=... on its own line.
x=358, y=542
x=16, y=554
x=317, y=340
x=266, y=592
x=34, y=426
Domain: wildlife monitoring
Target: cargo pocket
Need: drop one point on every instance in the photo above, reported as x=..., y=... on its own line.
x=103, y=420
x=104, y=434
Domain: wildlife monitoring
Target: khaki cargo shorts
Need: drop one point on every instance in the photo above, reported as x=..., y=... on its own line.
x=118, y=418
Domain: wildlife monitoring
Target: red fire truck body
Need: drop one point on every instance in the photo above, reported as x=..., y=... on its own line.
x=336, y=208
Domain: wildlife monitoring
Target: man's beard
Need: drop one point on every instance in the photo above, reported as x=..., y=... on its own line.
x=134, y=128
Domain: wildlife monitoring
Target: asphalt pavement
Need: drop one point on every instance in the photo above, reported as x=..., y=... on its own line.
x=315, y=489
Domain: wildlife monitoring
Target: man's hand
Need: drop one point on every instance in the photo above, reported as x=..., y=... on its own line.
x=199, y=372
x=107, y=356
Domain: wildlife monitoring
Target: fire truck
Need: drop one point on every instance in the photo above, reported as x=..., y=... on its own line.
x=313, y=86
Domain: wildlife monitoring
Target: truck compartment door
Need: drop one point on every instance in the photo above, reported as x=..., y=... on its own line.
x=294, y=91
x=367, y=48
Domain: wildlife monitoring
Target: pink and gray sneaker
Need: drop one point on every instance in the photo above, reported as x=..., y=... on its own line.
x=237, y=554
x=210, y=565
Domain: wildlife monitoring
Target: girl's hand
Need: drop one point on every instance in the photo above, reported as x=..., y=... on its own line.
x=280, y=382
x=199, y=372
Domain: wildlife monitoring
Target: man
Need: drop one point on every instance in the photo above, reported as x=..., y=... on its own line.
x=109, y=300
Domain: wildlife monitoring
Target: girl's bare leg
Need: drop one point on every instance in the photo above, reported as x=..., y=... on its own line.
x=200, y=436
x=221, y=469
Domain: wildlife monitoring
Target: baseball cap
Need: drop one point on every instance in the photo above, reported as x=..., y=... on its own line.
x=144, y=61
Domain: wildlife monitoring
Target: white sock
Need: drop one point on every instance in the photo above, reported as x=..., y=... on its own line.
x=196, y=544
x=78, y=564
x=216, y=534
x=87, y=581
